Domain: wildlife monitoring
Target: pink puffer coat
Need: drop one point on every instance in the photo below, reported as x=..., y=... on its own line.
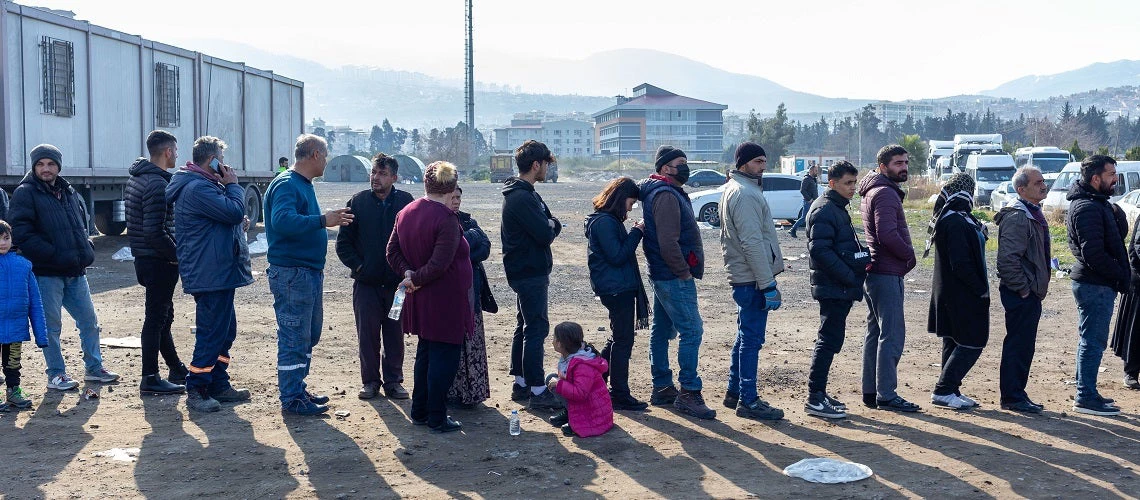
x=587, y=399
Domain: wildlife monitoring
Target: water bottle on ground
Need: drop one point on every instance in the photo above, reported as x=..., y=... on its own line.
x=397, y=304
x=516, y=427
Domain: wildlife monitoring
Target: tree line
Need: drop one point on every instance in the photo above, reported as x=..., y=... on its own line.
x=452, y=144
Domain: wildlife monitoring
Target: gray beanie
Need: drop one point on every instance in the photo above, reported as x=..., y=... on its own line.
x=47, y=151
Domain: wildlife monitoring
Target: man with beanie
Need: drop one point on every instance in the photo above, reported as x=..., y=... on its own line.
x=150, y=225
x=49, y=225
x=892, y=256
x=675, y=256
x=752, y=259
x=527, y=231
x=298, y=242
x=809, y=190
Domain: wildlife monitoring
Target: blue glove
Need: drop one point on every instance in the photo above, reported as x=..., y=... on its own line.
x=772, y=297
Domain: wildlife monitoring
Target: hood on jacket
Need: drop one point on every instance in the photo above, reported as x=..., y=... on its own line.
x=1008, y=211
x=178, y=183
x=1081, y=190
x=588, y=359
x=590, y=219
x=876, y=179
x=143, y=166
x=515, y=184
x=31, y=179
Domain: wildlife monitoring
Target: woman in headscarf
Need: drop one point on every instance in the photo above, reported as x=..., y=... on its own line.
x=960, y=297
x=472, y=382
x=1126, y=335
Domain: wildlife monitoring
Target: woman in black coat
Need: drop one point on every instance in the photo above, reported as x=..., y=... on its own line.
x=472, y=381
x=960, y=297
x=614, y=276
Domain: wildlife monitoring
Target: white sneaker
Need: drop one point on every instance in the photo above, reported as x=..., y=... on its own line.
x=970, y=403
x=62, y=383
x=103, y=375
x=948, y=401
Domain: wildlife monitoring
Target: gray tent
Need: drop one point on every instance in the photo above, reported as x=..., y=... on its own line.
x=347, y=168
x=411, y=168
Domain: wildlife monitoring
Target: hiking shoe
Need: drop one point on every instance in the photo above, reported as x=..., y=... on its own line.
x=692, y=403
x=5, y=408
x=369, y=391
x=448, y=425
x=1131, y=382
x=231, y=395
x=62, y=383
x=870, y=400
x=18, y=398
x=1096, y=408
x=197, y=401
x=178, y=374
x=102, y=376
x=519, y=393
x=628, y=403
x=396, y=391
x=545, y=401
x=1021, y=406
x=818, y=405
x=316, y=399
x=663, y=396
x=898, y=404
x=951, y=401
x=759, y=410
x=152, y=384
x=835, y=403
x=559, y=419
x=731, y=400
x=303, y=406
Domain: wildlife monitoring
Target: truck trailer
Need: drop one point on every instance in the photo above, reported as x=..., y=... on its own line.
x=95, y=93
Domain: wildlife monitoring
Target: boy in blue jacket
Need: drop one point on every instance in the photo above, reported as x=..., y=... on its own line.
x=21, y=303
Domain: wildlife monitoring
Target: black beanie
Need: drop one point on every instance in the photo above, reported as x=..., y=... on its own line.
x=47, y=151
x=666, y=154
x=747, y=152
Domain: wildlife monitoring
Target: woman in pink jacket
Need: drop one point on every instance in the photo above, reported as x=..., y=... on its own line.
x=588, y=406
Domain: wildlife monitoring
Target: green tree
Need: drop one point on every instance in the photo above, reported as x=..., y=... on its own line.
x=917, y=149
x=1066, y=112
x=1103, y=150
x=1076, y=151
x=775, y=134
x=1132, y=154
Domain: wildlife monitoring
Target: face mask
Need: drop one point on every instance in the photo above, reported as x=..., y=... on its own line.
x=682, y=174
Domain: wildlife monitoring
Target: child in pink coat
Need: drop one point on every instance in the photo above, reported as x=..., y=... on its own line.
x=580, y=383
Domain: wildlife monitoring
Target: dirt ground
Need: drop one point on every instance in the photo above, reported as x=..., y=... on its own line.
x=251, y=450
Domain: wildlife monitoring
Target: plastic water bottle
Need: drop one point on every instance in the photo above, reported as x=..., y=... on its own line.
x=397, y=304
x=516, y=427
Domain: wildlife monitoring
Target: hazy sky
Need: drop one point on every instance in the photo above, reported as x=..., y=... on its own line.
x=885, y=49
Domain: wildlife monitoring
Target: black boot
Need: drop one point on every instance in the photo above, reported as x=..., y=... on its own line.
x=178, y=374
x=152, y=384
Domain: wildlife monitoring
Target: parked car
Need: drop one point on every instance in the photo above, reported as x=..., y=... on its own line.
x=781, y=190
x=706, y=177
x=1002, y=196
x=1130, y=203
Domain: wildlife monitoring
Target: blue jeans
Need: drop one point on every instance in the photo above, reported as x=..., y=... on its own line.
x=215, y=328
x=803, y=216
x=298, y=304
x=1094, y=311
x=675, y=313
x=751, y=321
x=75, y=295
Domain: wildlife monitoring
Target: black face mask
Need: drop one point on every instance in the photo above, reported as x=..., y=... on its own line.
x=682, y=174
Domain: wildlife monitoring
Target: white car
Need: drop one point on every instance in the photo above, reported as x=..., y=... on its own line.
x=1130, y=204
x=781, y=190
x=1002, y=196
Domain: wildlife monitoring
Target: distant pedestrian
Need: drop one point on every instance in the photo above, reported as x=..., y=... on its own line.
x=472, y=383
x=1023, y=255
x=838, y=264
x=362, y=247
x=213, y=261
x=892, y=257
x=21, y=306
x=1101, y=271
x=282, y=164
x=579, y=381
x=49, y=226
x=809, y=190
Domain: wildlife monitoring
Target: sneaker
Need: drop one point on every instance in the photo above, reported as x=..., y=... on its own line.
x=18, y=398
x=731, y=400
x=819, y=406
x=870, y=400
x=559, y=419
x=197, y=401
x=898, y=404
x=519, y=393
x=1096, y=408
x=949, y=401
x=5, y=408
x=567, y=431
x=231, y=395
x=1131, y=382
x=545, y=401
x=663, y=396
x=369, y=391
x=102, y=376
x=62, y=383
x=1021, y=406
x=396, y=391
x=178, y=374
x=628, y=403
x=303, y=406
x=759, y=410
x=970, y=403
x=1107, y=401
x=316, y=399
x=693, y=403
x=835, y=403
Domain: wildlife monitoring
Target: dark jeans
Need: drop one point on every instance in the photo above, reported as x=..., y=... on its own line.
x=956, y=363
x=436, y=364
x=619, y=348
x=1021, y=319
x=380, y=340
x=10, y=358
x=159, y=278
x=832, y=329
x=533, y=327
x=215, y=332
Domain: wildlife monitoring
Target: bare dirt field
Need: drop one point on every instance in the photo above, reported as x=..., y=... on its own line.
x=251, y=450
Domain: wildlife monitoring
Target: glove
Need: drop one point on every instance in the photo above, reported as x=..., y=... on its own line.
x=772, y=297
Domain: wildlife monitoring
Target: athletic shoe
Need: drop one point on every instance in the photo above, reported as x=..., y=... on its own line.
x=1131, y=382
x=369, y=391
x=197, y=401
x=663, y=396
x=18, y=398
x=835, y=403
x=1096, y=408
x=545, y=401
x=897, y=404
x=519, y=393
x=321, y=400
x=818, y=405
x=396, y=391
x=303, y=406
x=62, y=383
x=559, y=419
x=759, y=410
x=968, y=400
x=951, y=401
x=870, y=400
x=692, y=403
x=102, y=376
x=731, y=400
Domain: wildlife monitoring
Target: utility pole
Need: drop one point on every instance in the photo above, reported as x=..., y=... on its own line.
x=469, y=98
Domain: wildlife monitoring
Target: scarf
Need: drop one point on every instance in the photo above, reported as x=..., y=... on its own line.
x=209, y=174
x=641, y=303
x=959, y=203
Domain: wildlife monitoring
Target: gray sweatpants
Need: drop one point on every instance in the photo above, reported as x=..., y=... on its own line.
x=886, y=334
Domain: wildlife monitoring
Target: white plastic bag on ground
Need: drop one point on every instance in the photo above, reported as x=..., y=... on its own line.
x=124, y=255
x=124, y=342
x=828, y=471
x=120, y=454
x=259, y=246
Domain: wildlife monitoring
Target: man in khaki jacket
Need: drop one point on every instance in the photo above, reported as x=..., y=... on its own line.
x=752, y=259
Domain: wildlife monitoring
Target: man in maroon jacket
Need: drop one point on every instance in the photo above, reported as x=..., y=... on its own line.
x=892, y=256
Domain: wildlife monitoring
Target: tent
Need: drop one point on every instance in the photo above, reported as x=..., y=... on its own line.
x=347, y=168
x=411, y=168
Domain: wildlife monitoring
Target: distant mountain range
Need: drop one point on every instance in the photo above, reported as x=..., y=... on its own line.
x=1094, y=76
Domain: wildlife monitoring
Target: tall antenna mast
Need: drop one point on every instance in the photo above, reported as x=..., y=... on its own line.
x=469, y=99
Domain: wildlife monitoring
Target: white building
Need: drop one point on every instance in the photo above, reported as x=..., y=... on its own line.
x=565, y=137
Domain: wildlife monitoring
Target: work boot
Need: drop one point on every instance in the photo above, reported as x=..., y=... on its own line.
x=303, y=406
x=178, y=374
x=152, y=384
x=663, y=396
x=692, y=403
x=200, y=402
x=231, y=395
x=318, y=399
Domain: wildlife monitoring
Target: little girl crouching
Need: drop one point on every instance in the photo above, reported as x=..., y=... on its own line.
x=580, y=382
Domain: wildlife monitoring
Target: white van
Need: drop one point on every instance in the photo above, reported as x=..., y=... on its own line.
x=1049, y=159
x=988, y=171
x=1127, y=179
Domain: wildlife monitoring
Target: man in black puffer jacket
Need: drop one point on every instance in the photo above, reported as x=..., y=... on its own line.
x=150, y=225
x=838, y=264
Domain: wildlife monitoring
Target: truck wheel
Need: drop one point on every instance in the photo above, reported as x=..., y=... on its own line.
x=104, y=219
x=252, y=204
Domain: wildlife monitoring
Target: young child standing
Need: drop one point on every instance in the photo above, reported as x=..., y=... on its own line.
x=579, y=381
x=21, y=303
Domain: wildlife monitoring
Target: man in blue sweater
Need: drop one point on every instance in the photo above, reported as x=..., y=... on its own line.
x=298, y=243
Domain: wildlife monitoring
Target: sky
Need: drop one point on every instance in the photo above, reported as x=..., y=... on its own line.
x=874, y=49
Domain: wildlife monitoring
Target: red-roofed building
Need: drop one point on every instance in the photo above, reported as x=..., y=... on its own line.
x=635, y=126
